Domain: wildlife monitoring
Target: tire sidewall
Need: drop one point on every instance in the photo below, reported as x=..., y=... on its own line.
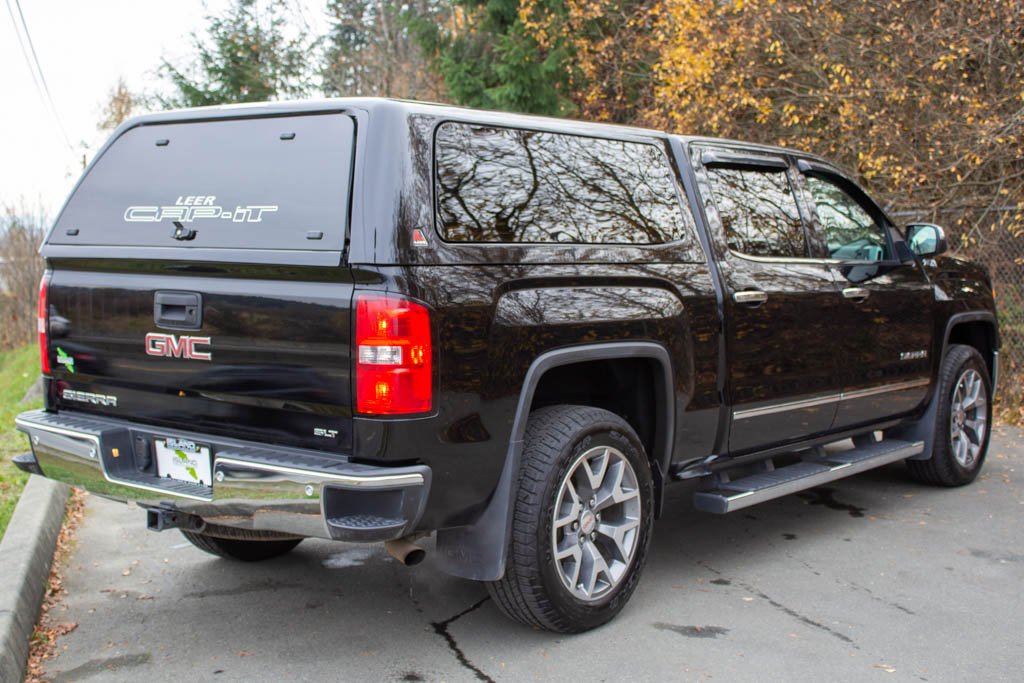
x=586, y=615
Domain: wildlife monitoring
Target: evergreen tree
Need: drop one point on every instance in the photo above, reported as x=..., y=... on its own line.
x=488, y=58
x=245, y=56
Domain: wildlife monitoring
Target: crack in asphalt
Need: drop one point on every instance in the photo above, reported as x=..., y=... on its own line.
x=854, y=586
x=788, y=610
x=800, y=617
x=441, y=629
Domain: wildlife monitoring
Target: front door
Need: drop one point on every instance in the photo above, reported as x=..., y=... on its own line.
x=883, y=312
x=782, y=376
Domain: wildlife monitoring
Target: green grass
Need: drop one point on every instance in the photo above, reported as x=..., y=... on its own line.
x=18, y=370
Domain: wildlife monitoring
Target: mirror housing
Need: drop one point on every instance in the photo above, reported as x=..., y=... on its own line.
x=926, y=239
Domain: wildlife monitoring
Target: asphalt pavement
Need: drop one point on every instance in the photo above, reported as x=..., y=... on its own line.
x=872, y=578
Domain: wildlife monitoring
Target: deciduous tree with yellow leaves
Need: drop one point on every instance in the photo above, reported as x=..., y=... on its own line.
x=923, y=100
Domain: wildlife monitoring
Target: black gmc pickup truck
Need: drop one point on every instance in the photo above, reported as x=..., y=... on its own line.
x=371, y=320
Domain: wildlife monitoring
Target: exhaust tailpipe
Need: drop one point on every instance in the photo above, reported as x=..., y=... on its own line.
x=405, y=551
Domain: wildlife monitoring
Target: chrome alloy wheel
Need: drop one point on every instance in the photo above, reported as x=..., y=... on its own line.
x=968, y=418
x=596, y=523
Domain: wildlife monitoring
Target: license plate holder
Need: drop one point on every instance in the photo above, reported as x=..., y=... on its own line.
x=183, y=460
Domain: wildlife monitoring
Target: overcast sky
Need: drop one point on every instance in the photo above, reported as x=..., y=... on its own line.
x=83, y=47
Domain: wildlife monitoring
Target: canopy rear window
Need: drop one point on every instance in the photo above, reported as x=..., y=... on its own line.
x=258, y=183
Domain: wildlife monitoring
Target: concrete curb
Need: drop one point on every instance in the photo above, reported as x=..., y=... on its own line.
x=26, y=552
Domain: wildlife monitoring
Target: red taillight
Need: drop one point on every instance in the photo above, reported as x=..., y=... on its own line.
x=41, y=326
x=393, y=355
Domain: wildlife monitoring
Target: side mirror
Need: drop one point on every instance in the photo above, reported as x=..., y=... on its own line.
x=926, y=239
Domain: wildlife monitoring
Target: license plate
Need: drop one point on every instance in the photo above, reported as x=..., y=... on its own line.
x=183, y=460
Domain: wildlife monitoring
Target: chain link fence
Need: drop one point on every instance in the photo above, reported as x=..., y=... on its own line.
x=993, y=237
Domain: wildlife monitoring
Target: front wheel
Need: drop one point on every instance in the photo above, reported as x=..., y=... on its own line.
x=962, y=419
x=581, y=521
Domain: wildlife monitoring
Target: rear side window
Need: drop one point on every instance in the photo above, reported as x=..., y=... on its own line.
x=262, y=183
x=510, y=185
x=758, y=211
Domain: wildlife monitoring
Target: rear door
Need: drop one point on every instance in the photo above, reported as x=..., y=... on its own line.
x=883, y=314
x=782, y=383
x=197, y=281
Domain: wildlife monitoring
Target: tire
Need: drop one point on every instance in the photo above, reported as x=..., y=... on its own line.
x=244, y=549
x=962, y=420
x=553, y=578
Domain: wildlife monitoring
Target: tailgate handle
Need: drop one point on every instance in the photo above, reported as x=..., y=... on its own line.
x=178, y=310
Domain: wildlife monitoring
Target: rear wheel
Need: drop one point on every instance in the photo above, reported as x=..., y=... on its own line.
x=961, y=420
x=249, y=549
x=581, y=521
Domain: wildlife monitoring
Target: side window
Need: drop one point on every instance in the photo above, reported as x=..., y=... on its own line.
x=758, y=212
x=509, y=185
x=849, y=230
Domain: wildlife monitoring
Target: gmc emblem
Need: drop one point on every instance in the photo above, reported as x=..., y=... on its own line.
x=171, y=346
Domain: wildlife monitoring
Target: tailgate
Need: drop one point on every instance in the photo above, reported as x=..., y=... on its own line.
x=269, y=360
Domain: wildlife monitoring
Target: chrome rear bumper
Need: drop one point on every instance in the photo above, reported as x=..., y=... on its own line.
x=255, y=486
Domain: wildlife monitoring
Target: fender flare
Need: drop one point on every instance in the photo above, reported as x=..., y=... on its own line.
x=479, y=551
x=974, y=316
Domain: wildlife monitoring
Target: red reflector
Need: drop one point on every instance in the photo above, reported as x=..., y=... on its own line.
x=392, y=355
x=42, y=327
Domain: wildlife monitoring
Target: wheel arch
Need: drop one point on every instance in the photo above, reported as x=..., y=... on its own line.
x=478, y=551
x=980, y=330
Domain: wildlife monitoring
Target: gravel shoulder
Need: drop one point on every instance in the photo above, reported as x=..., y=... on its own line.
x=873, y=577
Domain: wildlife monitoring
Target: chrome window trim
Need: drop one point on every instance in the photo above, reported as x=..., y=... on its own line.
x=825, y=400
x=805, y=260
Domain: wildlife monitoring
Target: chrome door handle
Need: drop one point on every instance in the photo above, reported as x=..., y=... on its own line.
x=750, y=297
x=856, y=293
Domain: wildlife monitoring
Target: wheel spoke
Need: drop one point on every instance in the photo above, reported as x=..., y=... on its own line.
x=975, y=430
x=961, y=449
x=618, y=533
x=594, y=566
x=595, y=468
x=574, y=506
x=571, y=550
x=615, y=493
x=971, y=393
x=573, y=575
